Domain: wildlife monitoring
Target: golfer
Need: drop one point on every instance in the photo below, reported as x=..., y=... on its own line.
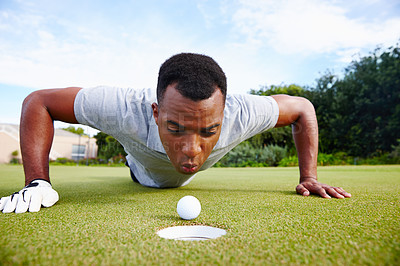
x=169, y=135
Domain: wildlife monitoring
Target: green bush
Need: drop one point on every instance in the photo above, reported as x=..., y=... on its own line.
x=395, y=154
x=92, y=161
x=245, y=155
x=385, y=158
x=342, y=158
x=289, y=161
x=329, y=159
x=14, y=161
x=323, y=160
x=118, y=160
x=63, y=161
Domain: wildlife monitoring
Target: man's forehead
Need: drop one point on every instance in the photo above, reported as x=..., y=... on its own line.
x=172, y=97
x=206, y=105
x=204, y=117
x=189, y=111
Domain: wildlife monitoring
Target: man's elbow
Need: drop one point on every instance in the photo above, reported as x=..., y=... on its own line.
x=292, y=109
x=34, y=98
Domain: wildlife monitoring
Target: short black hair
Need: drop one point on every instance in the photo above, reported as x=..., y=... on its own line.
x=197, y=76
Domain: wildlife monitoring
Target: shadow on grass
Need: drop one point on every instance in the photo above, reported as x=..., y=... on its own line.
x=168, y=218
x=120, y=191
x=241, y=190
x=102, y=189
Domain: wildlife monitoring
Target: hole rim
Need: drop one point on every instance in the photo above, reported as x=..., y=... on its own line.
x=191, y=232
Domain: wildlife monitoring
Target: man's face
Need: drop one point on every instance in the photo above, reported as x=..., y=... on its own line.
x=188, y=130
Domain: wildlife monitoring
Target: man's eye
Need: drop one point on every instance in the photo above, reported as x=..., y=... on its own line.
x=208, y=133
x=175, y=130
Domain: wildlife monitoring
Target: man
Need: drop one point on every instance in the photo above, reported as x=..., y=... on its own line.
x=192, y=125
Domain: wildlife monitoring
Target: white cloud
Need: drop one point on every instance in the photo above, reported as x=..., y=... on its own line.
x=35, y=55
x=309, y=26
x=348, y=55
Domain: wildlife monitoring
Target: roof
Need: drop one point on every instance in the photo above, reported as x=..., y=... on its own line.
x=57, y=131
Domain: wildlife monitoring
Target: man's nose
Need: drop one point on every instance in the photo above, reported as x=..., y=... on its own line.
x=191, y=146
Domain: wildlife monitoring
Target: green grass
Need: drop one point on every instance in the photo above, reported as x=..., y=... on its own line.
x=104, y=218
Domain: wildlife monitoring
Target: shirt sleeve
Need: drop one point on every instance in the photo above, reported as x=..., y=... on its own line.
x=115, y=111
x=249, y=115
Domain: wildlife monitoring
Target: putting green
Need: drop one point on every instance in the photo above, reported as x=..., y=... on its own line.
x=104, y=218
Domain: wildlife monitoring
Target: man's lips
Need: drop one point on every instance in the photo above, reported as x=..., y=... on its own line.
x=189, y=168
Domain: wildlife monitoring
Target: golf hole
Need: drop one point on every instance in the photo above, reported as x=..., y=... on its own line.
x=191, y=233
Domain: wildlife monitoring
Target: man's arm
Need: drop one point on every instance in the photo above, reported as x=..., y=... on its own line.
x=39, y=110
x=300, y=113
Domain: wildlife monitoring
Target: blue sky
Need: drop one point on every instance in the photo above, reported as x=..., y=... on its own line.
x=55, y=43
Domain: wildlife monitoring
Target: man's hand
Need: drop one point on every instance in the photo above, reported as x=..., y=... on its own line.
x=312, y=186
x=36, y=194
x=300, y=113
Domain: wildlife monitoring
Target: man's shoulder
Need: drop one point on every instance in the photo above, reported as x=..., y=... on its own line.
x=246, y=115
x=145, y=94
x=128, y=92
x=114, y=108
x=237, y=101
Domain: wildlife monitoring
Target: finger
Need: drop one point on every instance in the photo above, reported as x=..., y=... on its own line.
x=300, y=189
x=11, y=203
x=322, y=192
x=347, y=194
x=36, y=202
x=343, y=192
x=23, y=202
x=49, y=198
x=3, y=202
x=332, y=191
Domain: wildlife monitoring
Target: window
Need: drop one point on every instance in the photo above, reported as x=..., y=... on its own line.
x=78, y=152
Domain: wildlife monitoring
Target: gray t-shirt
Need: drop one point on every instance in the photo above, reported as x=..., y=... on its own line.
x=126, y=114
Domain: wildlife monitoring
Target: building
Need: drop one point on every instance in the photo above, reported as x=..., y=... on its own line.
x=65, y=144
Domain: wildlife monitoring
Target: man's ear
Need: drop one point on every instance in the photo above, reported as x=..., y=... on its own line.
x=155, y=112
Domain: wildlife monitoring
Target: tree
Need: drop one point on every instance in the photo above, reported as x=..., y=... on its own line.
x=359, y=113
x=108, y=146
x=78, y=130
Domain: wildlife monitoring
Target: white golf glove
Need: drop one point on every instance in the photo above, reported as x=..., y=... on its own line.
x=38, y=193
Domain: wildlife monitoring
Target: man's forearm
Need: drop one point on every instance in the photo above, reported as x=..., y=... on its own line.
x=36, y=136
x=305, y=134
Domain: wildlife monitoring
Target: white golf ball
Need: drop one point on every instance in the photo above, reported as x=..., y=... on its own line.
x=188, y=207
